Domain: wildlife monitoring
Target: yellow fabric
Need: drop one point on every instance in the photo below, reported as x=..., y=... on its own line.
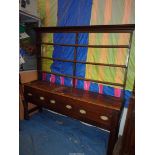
x=103, y=12
x=48, y=14
x=106, y=12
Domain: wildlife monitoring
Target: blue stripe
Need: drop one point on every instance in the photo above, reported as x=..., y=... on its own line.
x=71, y=13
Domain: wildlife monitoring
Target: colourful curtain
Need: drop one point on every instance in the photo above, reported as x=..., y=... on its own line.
x=69, y=12
x=47, y=11
x=106, y=12
x=89, y=12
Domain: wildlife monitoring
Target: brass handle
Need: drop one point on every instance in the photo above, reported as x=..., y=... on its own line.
x=82, y=111
x=105, y=118
x=42, y=98
x=29, y=94
x=68, y=107
x=52, y=101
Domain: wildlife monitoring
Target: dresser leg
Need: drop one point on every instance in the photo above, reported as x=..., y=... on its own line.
x=112, y=141
x=113, y=133
x=26, y=112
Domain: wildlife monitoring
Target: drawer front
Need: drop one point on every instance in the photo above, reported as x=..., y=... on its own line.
x=38, y=97
x=87, y=112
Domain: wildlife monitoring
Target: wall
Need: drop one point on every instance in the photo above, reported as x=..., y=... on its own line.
x=30, y=8
x=26, y=76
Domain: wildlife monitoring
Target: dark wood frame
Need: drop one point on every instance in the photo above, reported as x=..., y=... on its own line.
x=129, y=28
x=128, y=138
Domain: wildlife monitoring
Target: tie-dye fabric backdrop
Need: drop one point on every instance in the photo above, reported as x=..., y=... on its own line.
x=88, y=12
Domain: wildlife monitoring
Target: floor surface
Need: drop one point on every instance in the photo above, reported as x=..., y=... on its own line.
x=48, y=133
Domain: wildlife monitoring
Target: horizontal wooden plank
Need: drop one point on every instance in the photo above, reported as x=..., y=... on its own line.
x=33, y=109
x=89, y=46
x=83, y=62
x=123, y=28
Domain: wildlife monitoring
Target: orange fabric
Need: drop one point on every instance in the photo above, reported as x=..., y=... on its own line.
x=121, y=54
x=105, y=37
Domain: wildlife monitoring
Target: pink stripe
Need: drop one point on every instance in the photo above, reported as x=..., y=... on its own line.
x=117, y=92
x=86, y=85
x=62, y=80
x=52, y=78
x=100, y=89
x=44, y=76
x=76, y=82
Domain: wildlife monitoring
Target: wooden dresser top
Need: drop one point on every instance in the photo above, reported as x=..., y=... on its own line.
x=109, y=102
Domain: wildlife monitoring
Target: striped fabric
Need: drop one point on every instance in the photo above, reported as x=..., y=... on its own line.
x=103, y=12
x=111, y=12
x=48, y=14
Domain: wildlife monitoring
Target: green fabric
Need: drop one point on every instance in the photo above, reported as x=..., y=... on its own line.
x=106, y=12
x=103, y=12
x=48, y=14
x=22, y=28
